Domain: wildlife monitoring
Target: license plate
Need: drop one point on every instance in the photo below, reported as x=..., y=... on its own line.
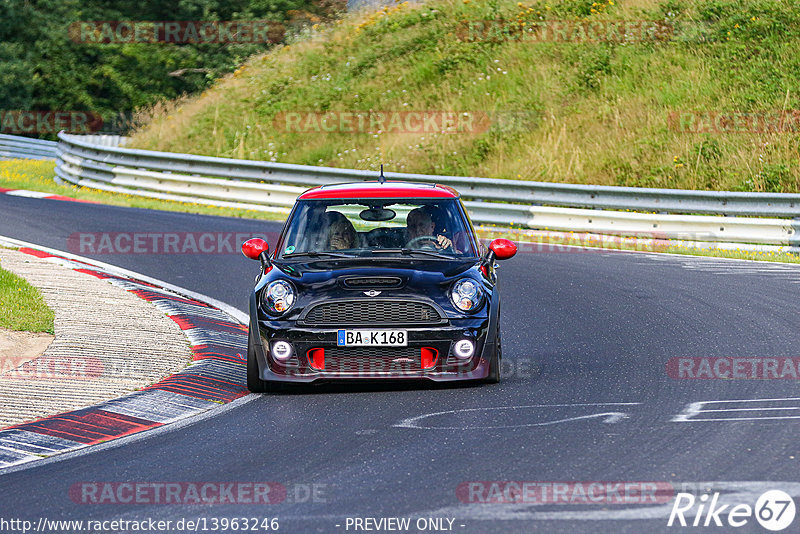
x=370, y=338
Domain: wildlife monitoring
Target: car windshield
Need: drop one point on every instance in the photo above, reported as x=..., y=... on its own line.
x=378, y=227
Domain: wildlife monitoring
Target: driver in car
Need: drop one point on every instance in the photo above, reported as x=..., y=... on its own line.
x=420, y=224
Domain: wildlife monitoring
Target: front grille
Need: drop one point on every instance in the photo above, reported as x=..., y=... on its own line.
x=372, y=360
x=371, y=312
x=367, y=282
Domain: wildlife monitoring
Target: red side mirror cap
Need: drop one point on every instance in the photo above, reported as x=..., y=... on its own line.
x=253, y=248
x=503, y=248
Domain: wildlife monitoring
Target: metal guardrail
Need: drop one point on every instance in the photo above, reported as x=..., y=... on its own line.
x=708, y=216
x=18, y=147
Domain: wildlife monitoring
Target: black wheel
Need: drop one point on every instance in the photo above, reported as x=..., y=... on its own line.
x=494, y=364
x=254, y=383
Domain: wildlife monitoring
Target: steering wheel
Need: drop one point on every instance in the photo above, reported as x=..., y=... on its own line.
x=430, y=240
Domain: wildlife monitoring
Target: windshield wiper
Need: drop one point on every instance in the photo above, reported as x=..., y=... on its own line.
x=408, y=251
x=314, y=254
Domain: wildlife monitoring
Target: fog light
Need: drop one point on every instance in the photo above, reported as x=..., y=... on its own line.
x=464, y=349
x=281, y=350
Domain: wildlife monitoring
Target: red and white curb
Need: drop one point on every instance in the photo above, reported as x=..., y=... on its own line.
x=39, y=194
x=217, y=334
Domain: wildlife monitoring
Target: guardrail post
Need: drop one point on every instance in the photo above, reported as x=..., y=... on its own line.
x=794, y=240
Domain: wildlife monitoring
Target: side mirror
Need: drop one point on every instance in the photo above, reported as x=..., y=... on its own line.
x=499, y=249
x=257, y=249
x=503, y=249
x=254, y=248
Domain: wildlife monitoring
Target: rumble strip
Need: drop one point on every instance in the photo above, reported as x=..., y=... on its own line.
x=216, y=376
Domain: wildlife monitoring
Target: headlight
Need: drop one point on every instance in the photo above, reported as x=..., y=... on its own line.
x=466, y=294
x=278, y=297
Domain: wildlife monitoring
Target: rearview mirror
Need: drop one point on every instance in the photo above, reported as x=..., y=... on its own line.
x=377, y=214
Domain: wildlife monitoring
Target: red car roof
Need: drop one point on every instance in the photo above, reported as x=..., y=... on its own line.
x=379, y=190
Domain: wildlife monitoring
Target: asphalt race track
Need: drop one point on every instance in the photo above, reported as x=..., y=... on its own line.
x=585, y=397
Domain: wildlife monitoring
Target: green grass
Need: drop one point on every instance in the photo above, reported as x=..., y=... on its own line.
x=22, y=306
x=38, y=176
x=597, y=112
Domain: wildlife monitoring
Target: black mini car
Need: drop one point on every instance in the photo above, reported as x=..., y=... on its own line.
x=375, y=281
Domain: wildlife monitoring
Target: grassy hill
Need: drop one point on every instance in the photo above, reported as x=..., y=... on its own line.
x=543, y=108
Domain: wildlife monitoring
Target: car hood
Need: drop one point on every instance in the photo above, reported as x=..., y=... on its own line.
x=333, y=279
x=374, y=266
x=411, y=274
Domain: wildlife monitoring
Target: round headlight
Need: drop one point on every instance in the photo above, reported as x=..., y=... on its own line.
x=466, y=294
x=279, y=296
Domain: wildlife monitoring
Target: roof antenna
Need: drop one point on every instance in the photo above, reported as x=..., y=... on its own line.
x=382, y=178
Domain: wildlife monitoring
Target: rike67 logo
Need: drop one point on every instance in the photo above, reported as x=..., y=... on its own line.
x=774, y=510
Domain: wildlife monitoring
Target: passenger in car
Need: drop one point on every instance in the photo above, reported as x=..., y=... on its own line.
x=341, y=234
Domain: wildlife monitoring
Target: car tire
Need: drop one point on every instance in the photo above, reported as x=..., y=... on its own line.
x=254, y=382
x=494, y=364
